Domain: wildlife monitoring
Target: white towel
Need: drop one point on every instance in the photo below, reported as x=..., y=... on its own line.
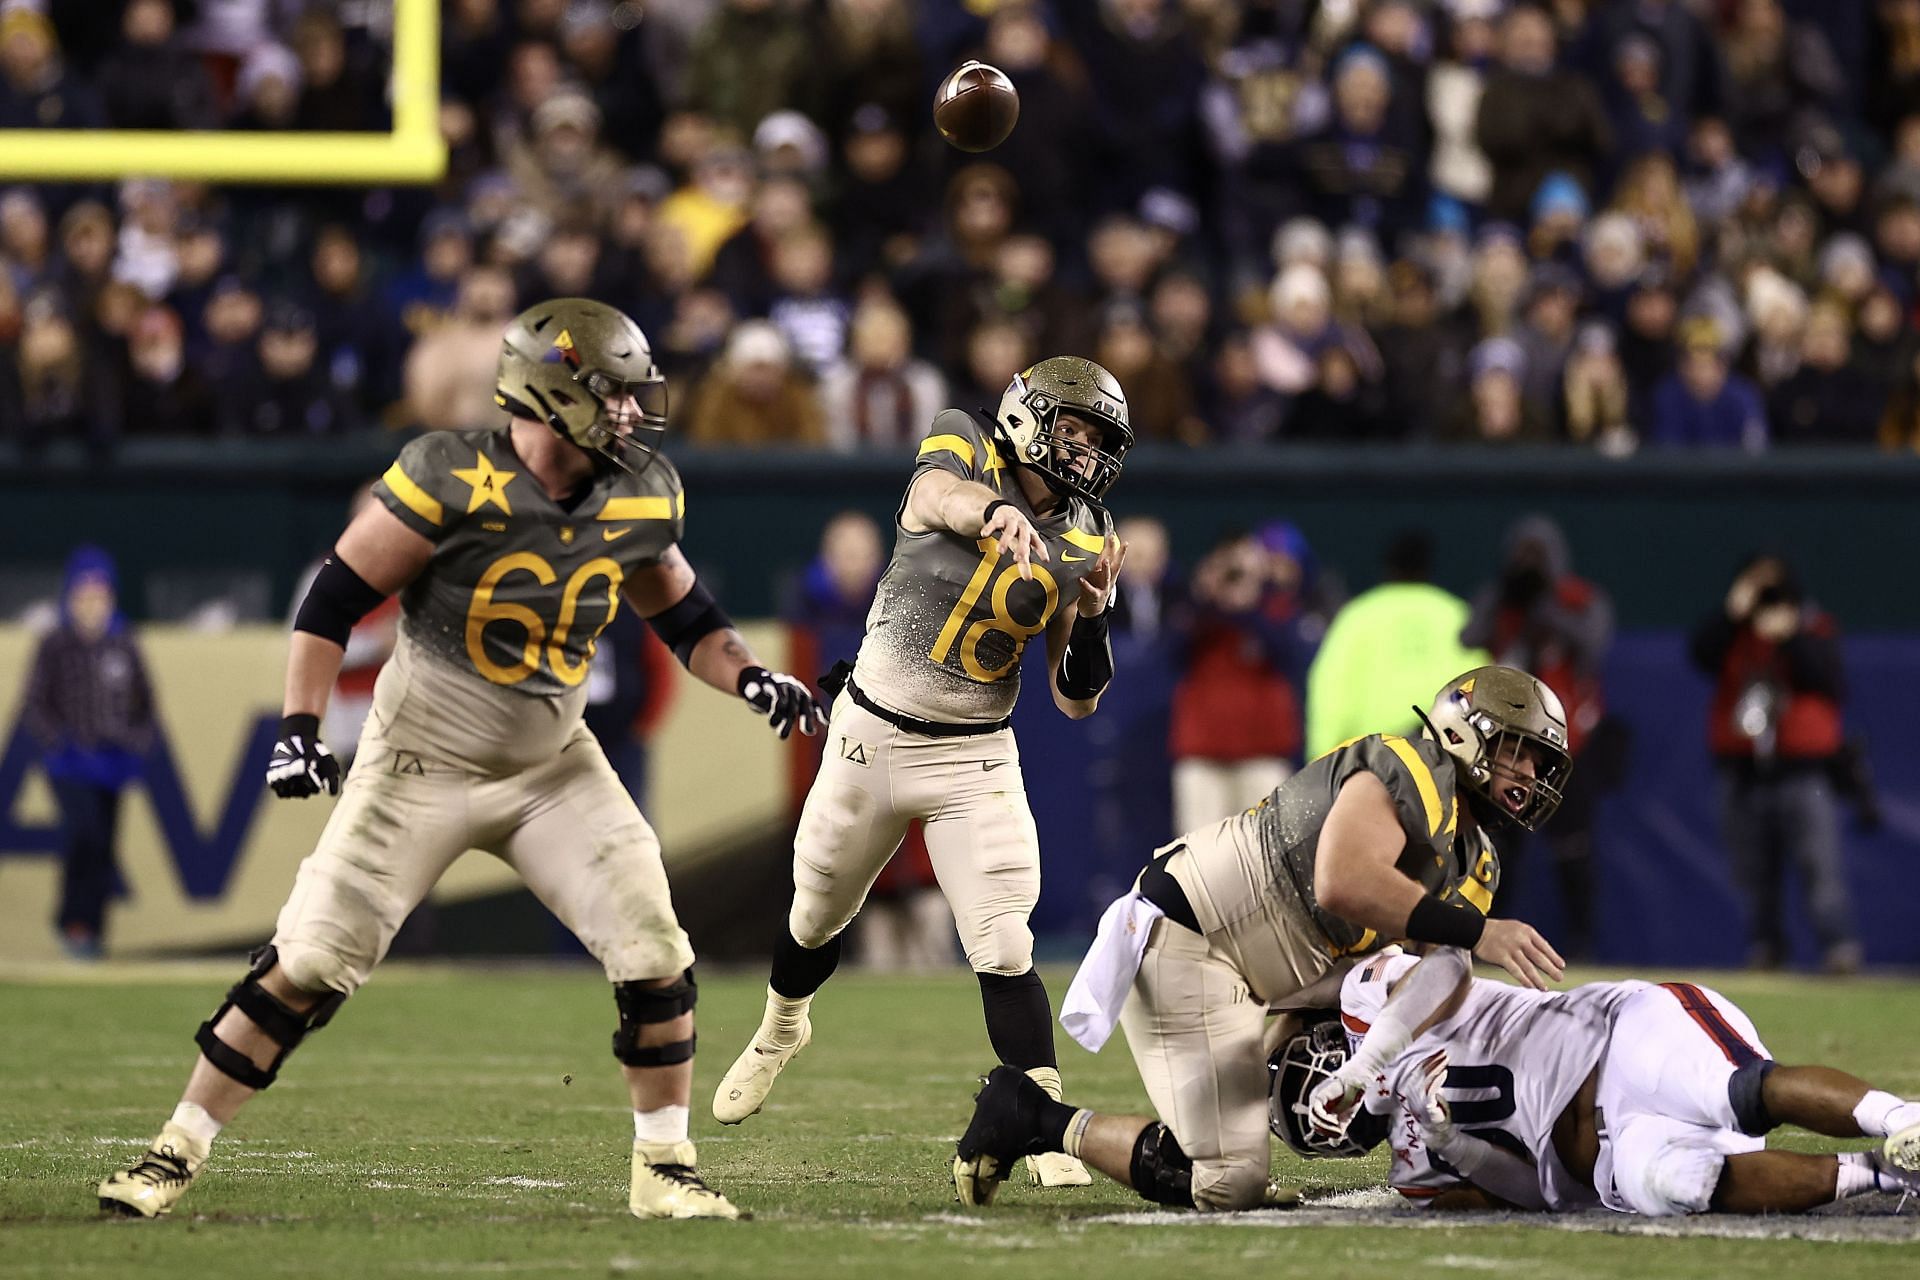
x=1099, y=989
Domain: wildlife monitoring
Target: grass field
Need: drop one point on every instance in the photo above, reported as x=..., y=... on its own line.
x=431, y=1130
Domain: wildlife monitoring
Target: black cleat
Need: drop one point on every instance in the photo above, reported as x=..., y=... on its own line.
x=1005, y=1126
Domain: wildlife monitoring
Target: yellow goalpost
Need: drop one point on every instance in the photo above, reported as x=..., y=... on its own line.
x=413, y=152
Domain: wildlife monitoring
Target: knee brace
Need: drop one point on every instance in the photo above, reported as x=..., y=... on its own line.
x=1160, y=1171
x=641, y=1005
x=1746, y=1090
x=284, y=1025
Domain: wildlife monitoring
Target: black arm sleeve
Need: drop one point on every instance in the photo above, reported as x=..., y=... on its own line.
x=683, y=625
x=337, y=600
x=1087, y=665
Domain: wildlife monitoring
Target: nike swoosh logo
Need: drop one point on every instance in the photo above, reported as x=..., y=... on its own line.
x=991, y=765
x=609, y=535
x=1068, y=555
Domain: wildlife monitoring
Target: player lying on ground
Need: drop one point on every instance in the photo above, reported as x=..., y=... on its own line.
x=514, y=547
x=1001, y=537
x=1647, y=1099
x=1382, y=838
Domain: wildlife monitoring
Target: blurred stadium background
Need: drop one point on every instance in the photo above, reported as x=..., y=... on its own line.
x=1368, y=269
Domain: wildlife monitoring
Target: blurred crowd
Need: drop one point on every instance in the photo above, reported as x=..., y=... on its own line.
x=1605, y=223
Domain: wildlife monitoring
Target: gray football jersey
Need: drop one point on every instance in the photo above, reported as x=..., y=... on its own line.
x=1419, y=777
x=519, y=587
x=952, y=617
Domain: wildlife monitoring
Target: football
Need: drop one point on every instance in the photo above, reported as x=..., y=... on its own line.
x=976, y=107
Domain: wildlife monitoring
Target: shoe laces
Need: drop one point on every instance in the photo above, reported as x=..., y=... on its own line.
x=684, y=1175
x=159, y=1168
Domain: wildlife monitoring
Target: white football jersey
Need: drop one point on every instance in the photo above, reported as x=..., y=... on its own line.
x=1516, y=1058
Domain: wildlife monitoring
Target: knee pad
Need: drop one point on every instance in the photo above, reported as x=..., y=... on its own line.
x=1160, y=1171
x=1746, y=1090
x=642, y=1005
x=1004, y=948
x=284, y=1025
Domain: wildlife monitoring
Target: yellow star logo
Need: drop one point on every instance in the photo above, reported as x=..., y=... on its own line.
x=489, y=484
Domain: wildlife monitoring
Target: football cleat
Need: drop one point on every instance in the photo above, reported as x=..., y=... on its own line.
x=665, y=1185
x=1005, y=1119
x=1057, y=1169
x=156, y=1181
x=1898, y=1159
x=744, y=1089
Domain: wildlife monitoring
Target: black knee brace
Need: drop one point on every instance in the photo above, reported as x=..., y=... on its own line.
x=285, y=1026
x=641, y=1005
x=1160, y=1171
x=1746, y=1090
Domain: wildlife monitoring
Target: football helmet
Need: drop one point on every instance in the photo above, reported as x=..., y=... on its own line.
x=1311, y=1056
x=1484, y=717
x=576, y=365
x=1028, y=416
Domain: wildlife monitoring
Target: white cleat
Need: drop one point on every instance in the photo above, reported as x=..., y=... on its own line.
x=1898, y=1159
x=1057, y=1169
x=665, y=1185
x=155, y=1182
x=744, y=1089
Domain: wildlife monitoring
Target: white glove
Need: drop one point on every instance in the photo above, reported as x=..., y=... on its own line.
x=1330, y=1105
x=1430, y=1109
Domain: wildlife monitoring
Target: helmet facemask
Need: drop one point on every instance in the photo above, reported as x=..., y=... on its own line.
x=1310, y=1057
x=627, y=431
x=1494, y=776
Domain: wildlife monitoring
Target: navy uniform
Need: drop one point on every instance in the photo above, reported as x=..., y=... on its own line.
x=475, y=739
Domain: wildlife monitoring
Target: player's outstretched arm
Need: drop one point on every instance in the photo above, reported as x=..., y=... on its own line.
x=1356, y=878
x=942, y=501
x=692, y=623
x=376, y=556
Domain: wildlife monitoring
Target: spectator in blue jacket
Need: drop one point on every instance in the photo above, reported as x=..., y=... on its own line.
x=1703, y=402
x=89, y=709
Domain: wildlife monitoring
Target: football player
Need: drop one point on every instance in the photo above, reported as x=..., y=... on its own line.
x=1648, y=1099
x=512, y=548
x=1384, y=837
x=1002, y=537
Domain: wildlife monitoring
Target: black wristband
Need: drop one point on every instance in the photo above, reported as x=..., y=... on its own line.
x=301, y=725
x=1087, y=666
x=1451, y=924
x=336, y=601
x=987, y=515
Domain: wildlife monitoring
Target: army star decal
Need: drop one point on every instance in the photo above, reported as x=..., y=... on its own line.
x=489, y=484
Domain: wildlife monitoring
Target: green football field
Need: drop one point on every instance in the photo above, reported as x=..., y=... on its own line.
x=470, y=1121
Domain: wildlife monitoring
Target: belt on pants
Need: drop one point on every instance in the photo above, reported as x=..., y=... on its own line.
x=913, y=724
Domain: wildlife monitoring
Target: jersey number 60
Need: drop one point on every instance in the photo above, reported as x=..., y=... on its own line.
x=483, y=611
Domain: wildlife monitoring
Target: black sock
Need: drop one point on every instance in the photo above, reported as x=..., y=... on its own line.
x=799, y=972
x=1019, y=1019
x=1054, y=1118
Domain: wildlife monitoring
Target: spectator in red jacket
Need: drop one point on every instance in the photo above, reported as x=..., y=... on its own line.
x=1540, y=616
x=1775, y=730
x=1236, y=729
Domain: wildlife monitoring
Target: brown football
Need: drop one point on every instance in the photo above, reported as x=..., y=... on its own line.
x=976, y=107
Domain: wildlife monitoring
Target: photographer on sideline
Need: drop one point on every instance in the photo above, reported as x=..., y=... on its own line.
x=1775, y=732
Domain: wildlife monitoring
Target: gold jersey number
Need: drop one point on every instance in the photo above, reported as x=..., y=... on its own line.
x=484, y=611
x=1001, y=619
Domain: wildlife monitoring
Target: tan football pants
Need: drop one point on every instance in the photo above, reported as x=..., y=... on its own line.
x=972, y=804
x=564, y=822
x=1197, y=1015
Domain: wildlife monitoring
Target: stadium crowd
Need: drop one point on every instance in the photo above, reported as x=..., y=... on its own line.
x=1596, y=222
